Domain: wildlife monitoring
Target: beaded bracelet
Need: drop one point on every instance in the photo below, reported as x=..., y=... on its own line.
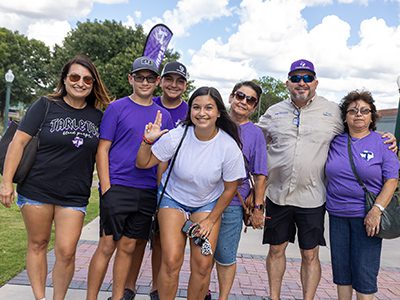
x=147, y=141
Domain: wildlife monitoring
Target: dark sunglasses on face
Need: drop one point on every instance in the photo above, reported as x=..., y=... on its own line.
x=88, y=80
x=240, y=96
x=140, y=78
x=298, y=78
x=354, y=111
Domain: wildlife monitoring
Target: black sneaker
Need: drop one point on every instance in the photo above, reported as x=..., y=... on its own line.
x=154, y=295
x=128, y=294
x=208, y=296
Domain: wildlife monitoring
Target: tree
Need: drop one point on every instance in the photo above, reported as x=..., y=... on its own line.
x=111, y=46
x=274, y=91
x=29, y=61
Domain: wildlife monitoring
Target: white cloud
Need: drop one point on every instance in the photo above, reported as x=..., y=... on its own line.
x=45, y=9
x=40, y=31
x=272, y=34
x=46, y=20
x=188, y=13
x=133, y=20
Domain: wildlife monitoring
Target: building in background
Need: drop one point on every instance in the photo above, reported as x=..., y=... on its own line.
x=387, y=120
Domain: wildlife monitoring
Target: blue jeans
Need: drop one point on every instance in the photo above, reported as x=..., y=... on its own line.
x=22, y=200
x=168, y=202
x=229, y=235
x=355, y=256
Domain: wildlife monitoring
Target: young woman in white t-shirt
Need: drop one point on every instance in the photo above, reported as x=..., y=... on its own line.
x=203, y=181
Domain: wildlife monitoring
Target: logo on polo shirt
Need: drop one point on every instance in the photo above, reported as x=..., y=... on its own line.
x=367, y=155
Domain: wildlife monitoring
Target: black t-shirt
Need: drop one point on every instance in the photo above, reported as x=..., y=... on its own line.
x=63, y=170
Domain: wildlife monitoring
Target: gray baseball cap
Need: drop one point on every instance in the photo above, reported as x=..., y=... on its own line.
x=144, y=63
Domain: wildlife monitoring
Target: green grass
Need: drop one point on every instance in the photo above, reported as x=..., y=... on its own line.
x=13, y=237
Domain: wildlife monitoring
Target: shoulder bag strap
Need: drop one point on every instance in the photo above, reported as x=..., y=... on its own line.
x=353, y=167
x=45, y=115
x=172, y=164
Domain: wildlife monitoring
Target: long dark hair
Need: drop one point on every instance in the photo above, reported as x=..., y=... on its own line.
x=98, y=97
x=224, y=121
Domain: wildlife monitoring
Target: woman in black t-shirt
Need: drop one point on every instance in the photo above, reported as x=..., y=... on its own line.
x=57, y=187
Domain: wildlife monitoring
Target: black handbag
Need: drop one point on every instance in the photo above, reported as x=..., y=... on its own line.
x=30, y=150
x=390, y=219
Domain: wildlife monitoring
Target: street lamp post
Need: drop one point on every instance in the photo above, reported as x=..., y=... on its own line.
x=9, y=79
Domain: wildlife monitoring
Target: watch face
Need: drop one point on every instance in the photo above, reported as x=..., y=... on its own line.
x=260, y=206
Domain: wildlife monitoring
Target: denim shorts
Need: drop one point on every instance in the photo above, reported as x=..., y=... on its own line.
x=355, y=256
x=22, y=200
x=168, y=202
x=229, y=235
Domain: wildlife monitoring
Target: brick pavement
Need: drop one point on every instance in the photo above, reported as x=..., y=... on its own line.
x=250, y=282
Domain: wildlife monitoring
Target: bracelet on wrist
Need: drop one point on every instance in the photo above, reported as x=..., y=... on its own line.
x=147, y=141
x=380, y=207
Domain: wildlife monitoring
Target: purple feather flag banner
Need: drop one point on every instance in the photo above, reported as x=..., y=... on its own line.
x=157, y=42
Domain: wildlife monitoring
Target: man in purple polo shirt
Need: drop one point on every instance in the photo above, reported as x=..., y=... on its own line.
x=128, y=194
x=173, y=84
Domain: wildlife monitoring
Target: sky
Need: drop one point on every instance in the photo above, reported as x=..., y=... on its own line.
x=354, y=44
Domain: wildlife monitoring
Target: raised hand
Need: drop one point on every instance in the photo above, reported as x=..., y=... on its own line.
x=153, y=130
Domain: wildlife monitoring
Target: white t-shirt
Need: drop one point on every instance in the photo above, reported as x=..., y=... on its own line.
x=201, y=167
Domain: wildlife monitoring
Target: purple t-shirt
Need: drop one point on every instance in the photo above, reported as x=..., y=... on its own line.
x=123, y=123
x=178, y=113
x=255, y=151
x=374, y=163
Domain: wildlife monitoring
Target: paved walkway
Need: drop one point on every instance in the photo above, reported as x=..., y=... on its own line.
x=250, y=283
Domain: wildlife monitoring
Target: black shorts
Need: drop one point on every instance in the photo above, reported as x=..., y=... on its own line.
x=127, y=211
x=281, y=227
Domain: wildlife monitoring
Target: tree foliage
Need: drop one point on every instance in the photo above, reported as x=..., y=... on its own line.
x=111, y=46
x=29, y=61
x=274, y=91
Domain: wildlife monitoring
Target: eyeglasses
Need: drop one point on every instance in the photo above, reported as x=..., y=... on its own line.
x=354, y=111
x=141, y=78
x=88, y=80
x=298, y=78
x=296, y=119
x=240, y=96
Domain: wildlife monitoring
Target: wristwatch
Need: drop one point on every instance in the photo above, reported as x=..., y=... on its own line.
x=259, y=206
x=381, y=208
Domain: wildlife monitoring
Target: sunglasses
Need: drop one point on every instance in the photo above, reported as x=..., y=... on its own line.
x=88, y=80
x=240, y=96
x=298, y=78
x=140, y=78
x=355, y=111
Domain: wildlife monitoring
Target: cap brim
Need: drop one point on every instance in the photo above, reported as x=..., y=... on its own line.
x=173, y=72
x=140, y=69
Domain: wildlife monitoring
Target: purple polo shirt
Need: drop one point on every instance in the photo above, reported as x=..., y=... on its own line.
x=255, y=151
x=374, y=163
x=123, y=123
x=178, y=113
